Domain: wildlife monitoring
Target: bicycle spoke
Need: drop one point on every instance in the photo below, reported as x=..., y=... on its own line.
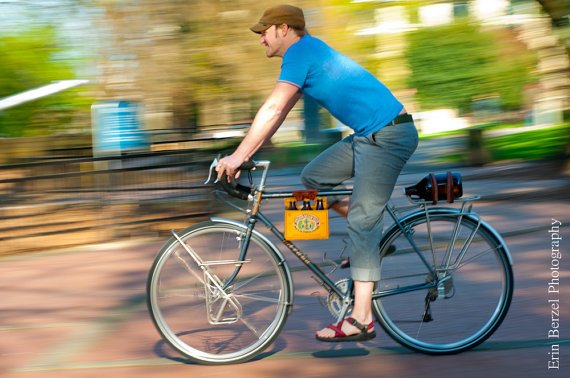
x=172, y=293
x=458, y=266
x=194, y=312
x=259, y=298
x=467, y=301
x=251, y=328
x=466, y=245
x=240, y=285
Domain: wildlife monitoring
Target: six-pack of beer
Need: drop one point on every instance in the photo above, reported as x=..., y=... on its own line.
x=306, y=216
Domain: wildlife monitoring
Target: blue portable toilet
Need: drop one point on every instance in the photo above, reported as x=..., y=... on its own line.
x=117, y=128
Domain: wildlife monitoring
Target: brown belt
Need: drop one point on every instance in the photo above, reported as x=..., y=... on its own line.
x=402, y=118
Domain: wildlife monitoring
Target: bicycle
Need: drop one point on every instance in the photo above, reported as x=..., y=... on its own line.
x=220, y=292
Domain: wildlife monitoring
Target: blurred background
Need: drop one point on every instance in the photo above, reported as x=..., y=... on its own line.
x=112, y=110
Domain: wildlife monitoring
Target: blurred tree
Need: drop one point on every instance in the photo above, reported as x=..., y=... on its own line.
x=453, y=64
x=30, y=60
x=559, y=13
x=198, y=63
x=558, y=10
x=189, y=62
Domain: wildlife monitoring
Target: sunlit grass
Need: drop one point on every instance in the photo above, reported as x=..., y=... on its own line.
x=529, y=145
x=442, y=134
x=460, y=132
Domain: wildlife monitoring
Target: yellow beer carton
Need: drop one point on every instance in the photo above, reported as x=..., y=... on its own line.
x=306, y=216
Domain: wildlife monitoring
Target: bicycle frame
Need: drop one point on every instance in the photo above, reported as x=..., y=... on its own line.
x=255, y=214
x=412, y=260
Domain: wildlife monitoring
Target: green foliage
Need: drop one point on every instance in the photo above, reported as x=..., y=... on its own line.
x=526, y=144
x=535, y=144
x=29, y=60
x=453, y=64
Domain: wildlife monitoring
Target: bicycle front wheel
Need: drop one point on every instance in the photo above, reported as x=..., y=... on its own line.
x=448, y=283
x=199, y=313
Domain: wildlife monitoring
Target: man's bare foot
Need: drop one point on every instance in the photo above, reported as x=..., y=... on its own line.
x=341, y=207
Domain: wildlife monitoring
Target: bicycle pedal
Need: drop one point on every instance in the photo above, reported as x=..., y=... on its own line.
x=330, y=262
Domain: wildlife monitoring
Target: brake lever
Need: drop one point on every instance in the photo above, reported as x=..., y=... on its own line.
x=212, y=170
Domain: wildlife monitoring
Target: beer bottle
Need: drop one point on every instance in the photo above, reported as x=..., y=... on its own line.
x=306, y=204
x=292, y=205
x=320, y=205
x=433, y=187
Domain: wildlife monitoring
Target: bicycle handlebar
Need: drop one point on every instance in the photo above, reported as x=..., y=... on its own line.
x=232, y=187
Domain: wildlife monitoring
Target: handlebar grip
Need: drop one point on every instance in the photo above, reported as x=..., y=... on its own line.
x=233, y=188
x=247, y=166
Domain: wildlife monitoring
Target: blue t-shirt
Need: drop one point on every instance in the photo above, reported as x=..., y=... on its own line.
x=343, y=87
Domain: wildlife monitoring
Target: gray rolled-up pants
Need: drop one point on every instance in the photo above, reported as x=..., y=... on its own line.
x=374, y=162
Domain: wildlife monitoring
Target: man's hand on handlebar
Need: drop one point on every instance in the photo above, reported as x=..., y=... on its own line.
x=230, y=166
x=227, y=175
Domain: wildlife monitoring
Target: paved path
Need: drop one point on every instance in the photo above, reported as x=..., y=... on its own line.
x=81, y=312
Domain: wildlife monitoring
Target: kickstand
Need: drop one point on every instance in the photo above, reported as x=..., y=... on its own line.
x=427, y=312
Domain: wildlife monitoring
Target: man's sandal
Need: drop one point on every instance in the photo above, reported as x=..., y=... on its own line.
x=339, y=335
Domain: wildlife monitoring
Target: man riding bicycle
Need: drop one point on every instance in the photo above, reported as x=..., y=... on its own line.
x=384, y=139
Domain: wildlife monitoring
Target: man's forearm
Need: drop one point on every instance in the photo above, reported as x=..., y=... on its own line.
x=266, y=122
x=268, y=119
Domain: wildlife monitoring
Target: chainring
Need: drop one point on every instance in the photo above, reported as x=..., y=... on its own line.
x=334, y=302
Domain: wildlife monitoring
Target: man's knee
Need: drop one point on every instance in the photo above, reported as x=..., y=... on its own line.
x=307, y=178
x=366, y=221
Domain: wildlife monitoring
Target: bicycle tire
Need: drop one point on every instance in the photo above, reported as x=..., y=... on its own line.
x=193, y=315
x=467, y=309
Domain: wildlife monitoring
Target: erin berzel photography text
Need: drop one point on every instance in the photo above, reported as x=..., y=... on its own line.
x=554, y=294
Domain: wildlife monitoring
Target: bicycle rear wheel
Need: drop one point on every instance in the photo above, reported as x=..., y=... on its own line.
x=460, y=305
x=197, y=316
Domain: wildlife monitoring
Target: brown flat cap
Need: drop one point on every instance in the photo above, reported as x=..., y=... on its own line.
x=278, y=15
